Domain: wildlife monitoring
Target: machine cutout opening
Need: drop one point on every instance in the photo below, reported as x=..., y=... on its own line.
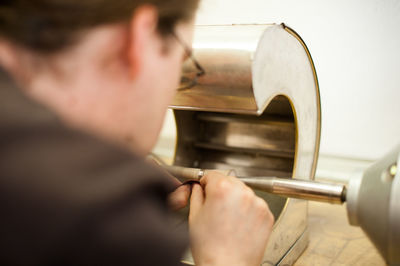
x=252, y=145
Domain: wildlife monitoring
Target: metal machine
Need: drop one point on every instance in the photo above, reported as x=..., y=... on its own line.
x=373, y=203
x=257, y=111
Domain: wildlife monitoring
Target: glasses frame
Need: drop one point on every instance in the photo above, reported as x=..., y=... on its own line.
x=189, y=53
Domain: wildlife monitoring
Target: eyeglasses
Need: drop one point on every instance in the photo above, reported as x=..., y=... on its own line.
x=190, y=74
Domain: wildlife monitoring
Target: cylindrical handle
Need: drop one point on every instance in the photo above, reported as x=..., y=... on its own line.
x=286, y=187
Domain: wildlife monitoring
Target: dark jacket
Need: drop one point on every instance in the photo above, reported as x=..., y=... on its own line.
x=67, y=198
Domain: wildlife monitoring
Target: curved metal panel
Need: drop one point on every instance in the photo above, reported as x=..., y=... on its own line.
x=256, y=110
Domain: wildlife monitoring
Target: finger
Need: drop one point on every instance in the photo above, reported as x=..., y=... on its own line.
x=196, y=200
x=210, y=178
x=219, y=185
x=179, y=198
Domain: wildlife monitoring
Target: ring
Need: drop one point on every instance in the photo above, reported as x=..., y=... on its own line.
x=200, y=174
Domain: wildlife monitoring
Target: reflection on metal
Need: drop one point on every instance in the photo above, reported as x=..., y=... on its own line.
x=256, y=110
x=393, y=170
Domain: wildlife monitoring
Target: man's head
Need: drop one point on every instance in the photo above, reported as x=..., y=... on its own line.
x=51, y=25
x=108, y=67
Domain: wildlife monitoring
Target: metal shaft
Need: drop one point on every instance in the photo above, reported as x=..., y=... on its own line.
x=300, y=189
x=286, y=187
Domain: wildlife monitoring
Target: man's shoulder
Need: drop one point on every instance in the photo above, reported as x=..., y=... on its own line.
x=90, y=202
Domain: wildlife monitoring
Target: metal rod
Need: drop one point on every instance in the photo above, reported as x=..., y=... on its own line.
x=285, y=187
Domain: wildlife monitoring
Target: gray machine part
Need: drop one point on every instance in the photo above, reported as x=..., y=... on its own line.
x=373, y=203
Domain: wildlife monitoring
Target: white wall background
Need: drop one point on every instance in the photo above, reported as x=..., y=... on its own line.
x=356, y=48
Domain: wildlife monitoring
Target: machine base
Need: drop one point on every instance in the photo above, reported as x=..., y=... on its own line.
x=293, y=253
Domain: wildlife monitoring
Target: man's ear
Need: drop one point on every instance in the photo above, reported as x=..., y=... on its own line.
x=13, y=60
x=8, y=56
x=142, y=27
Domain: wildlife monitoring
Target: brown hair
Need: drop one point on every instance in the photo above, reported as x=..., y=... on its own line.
x=47, y=26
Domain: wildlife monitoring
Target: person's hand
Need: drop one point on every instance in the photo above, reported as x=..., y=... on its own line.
x=228, y=223
x=179, y=198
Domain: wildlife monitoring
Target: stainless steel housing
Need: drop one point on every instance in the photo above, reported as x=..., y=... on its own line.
x=373, y=203
x=256, y=110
